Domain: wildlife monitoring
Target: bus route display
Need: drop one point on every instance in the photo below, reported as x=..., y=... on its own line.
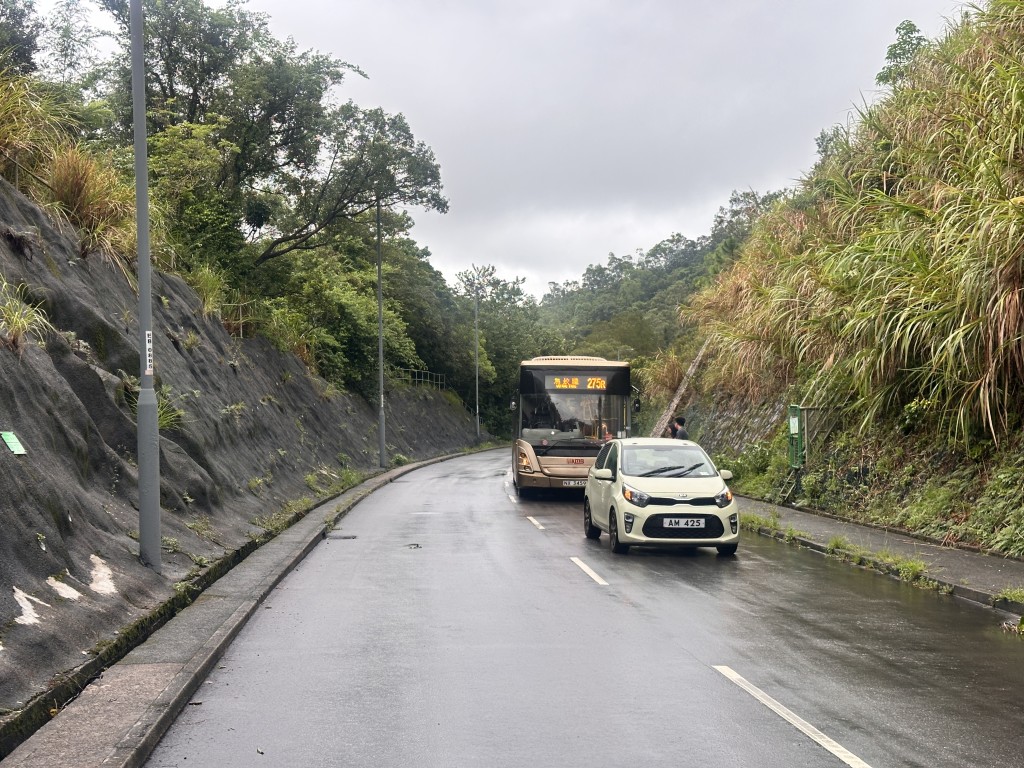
x=576, y=383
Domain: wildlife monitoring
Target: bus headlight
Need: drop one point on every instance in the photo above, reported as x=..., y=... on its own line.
x=633, y=496
x=524, y=462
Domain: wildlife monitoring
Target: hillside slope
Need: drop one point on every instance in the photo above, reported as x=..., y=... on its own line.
x=257, y=434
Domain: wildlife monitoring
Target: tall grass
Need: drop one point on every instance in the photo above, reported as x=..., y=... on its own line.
x=90, y=193
x=211, y=286
x=31, y=127
x=19, y=318
x=894, y=274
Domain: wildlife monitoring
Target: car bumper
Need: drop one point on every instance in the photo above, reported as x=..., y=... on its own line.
x=655, y=528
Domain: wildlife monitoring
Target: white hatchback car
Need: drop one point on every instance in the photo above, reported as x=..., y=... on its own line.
x=659, y=492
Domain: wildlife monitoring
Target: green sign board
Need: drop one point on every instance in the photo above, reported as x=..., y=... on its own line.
x=13, y=442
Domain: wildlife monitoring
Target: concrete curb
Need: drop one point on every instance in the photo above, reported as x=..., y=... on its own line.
x=987, y=599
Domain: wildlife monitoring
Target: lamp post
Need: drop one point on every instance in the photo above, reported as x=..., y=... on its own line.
x=383, y=449
x=476, y=351
x=147, y=433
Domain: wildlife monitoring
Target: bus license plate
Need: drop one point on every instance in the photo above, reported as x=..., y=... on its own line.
x=573, y=483
x=684, y=522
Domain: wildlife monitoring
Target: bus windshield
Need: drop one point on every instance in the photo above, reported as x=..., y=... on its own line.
x=570, y=416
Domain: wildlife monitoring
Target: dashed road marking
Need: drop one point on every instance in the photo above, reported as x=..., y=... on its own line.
x=793, y=719
x=534, y=521
x=589, y=571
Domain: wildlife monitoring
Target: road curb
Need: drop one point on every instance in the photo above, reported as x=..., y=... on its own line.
x=1012, y=609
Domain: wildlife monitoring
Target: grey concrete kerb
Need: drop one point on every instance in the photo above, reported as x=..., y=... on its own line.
x=120, y=717
x=954, y=576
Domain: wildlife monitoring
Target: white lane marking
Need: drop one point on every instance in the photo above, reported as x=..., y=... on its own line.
x=793, y=719
x=589, y=571
x=534, y=521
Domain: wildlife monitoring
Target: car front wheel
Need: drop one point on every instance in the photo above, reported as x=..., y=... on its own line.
x=589, y=529
x=727, y=549
x=613, y=536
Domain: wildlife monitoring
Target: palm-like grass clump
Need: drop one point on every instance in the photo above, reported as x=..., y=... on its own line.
x=894, y=275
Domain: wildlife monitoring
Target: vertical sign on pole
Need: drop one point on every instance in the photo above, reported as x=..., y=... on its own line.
x=796, y=437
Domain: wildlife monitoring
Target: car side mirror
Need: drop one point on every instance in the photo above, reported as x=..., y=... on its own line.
x=725, y=473
x=604, y=474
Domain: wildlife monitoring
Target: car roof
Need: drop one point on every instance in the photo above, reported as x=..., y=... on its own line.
x=653, y=441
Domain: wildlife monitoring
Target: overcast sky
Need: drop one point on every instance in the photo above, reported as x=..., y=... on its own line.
x=568, y=129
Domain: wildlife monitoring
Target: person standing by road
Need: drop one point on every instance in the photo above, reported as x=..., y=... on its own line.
x=680, y=433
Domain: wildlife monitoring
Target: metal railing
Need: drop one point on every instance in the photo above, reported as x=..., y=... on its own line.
x=420, y=378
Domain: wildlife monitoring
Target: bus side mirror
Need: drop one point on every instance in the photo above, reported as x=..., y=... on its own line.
x=512, y=405
x=636, y=405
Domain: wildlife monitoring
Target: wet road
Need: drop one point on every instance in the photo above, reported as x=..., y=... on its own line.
x=446, y=623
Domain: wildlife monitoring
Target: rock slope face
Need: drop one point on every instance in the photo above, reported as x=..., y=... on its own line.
x=257, y=431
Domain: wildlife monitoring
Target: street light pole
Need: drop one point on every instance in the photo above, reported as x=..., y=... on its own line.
x=383, y=449
x=476, y=352
x=147, y=433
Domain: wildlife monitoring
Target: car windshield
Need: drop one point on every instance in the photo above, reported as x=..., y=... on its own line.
x=666, y=461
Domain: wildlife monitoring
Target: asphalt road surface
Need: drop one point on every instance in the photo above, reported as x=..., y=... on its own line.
x=447, y=623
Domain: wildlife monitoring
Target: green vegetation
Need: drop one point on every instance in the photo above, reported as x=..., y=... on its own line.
x=753, y=522
x=203, y=528
x=886, y=284
x=234, y=410
x=884, y=290
x=19, y=318
x=170, y=415
x=1011, y=594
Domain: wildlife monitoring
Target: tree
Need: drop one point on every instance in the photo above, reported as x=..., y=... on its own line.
x=909, y=41
x=510, y=332
x=185, y=163
x=372, y=158
x=69, y=42
x=20, y=29
x=301, y=169
x=830, y=142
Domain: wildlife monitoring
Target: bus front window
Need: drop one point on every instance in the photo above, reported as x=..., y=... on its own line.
x=567, y=416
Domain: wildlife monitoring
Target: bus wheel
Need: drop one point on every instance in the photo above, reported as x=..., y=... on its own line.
x=613, y=536
x=521, y=492
x=589, y=529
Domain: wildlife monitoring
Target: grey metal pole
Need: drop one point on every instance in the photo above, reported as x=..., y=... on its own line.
x=476, y=352
x=146, y=411
x=380, y=348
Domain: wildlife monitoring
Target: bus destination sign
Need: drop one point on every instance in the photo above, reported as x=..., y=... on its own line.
x=577, y=383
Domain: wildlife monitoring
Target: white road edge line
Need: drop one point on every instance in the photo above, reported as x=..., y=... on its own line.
x=534, y=521
x=793, y=719
x=589, y=571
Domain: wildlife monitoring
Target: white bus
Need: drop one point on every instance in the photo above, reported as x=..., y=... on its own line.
x=567, y=408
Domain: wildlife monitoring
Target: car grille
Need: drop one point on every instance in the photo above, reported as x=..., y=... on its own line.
x=654, y=527
x=700, y=501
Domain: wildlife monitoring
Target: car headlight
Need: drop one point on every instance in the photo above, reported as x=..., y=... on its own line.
x=633, y=496
x=724, y=499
